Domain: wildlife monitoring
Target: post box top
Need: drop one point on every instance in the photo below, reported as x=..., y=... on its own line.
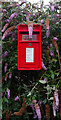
x=24, y=27
x=34, y=24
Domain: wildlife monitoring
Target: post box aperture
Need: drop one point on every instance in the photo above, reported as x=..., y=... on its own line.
x=29, y=50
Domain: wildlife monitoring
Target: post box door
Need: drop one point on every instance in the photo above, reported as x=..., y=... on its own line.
x=29, y=56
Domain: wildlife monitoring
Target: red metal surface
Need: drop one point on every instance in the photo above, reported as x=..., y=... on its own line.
x=24, y=62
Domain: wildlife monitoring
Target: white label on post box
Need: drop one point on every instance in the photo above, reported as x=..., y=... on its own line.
x=29, y=54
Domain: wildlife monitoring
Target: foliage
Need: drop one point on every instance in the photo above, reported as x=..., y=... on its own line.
x=32, y=85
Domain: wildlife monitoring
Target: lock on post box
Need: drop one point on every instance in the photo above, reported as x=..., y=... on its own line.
x=29, y=47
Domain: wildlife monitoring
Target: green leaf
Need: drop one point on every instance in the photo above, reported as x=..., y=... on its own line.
x=42, y=81
x=55, y=60
x=51, y=98
x=52, y=76
x=5, y=100
x=25, y=87
x=57, y=73
x=51, y=71
x=19, y=88
x=29, y=94
x=0, y=113
x=45, y=101
x=33, y=98
x=1, y=104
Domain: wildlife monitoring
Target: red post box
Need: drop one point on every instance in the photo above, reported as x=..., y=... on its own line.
x=29, y=51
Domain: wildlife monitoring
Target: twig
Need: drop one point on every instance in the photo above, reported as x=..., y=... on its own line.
x=43, y=75
x=56, y=70
x=55, y=79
